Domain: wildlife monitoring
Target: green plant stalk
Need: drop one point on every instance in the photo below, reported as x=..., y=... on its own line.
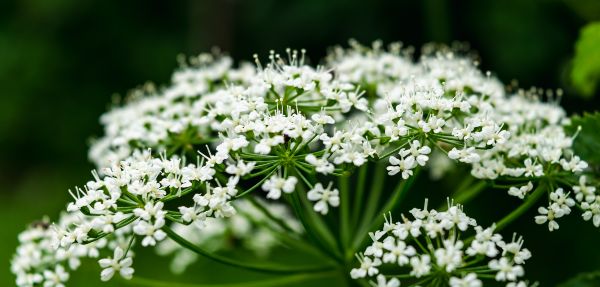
x=264, y=268
x=292, y=240
x=271, y=282
x=316, y=220
x=359, y=191
x=271, y=171
x=310, y=232
x=304, y=246
x=282, y=224
x=344, y=211
x=370, y=210
x=526, y=205
x=374, y=197
x=397, y=195
x=463, y=196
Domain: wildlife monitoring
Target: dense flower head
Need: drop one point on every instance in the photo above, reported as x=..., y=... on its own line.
x=197, y=156
x=285, y=120
x=167, y=119
x=515, y=140
x=39, y=261
x=134, y=193
x=447, y=247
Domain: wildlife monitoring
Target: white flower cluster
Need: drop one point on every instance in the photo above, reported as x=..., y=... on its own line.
x=288, y=120
x=442, y=101
x=265, y=124
x=129, y=202
x=249, y=227
x=289, y=129
x=561, y=202
x=38, y=261
x=166, y=119
x=589, y=201
x=434, y=247
x=515, y=140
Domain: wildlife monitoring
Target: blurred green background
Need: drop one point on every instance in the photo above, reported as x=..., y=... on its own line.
x=62, y=61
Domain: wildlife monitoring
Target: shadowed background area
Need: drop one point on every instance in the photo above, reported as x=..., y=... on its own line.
x=62, y=61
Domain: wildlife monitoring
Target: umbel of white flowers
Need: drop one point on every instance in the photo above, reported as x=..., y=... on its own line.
x=432, y=241
x=184, y=166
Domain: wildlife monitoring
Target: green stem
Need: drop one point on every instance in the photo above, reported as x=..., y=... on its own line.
x=278, y=221
x=315, y=229
x=271, y=282
x=344, y=211
x=304, y=179
x=297, y=208
x=293, y=240
x=528, y=203
x=466, y=195
x=370, y=211
x=315, y=220
x=272, y=171
x=273, y=269
x=396, y=149
x=397, y=195
x=374, y=195
x=359, y=191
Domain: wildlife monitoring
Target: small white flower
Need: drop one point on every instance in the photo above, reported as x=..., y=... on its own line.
x=420, y=153
x=466, y=155
x=118, y=263
x=265, y=144
x=547, y=215
x=332, y=143
x=190, y=214
x=56, y=277
x=276, y=184
x=106, y=223
x=592, y=211
x=421, y=265
x=324, y=197
x=584, y=192
x=470, y=280
x=520, y=192
x=515, y=248
x=240, y=169
x=368, y=266
x=151, y=231
x=321, y=165
x=485, y=242
x=404, y=165
x=450, y=256
x=517, y=284
x=150, y=211
x=532, y=169
x=561, y=202
x=506, y=270
x=574, y=165
x=397, y=251
x=382, y=282
x=322, y=119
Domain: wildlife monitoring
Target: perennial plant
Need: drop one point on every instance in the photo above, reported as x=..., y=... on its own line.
x=282, y=154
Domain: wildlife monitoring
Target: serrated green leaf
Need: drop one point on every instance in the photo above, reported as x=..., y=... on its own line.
x=587, y=143
x=591, y=279
x=585, y=73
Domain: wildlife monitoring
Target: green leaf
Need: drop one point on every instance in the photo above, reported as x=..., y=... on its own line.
x=590, y=279
x=587, y=143
x=585, y=73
